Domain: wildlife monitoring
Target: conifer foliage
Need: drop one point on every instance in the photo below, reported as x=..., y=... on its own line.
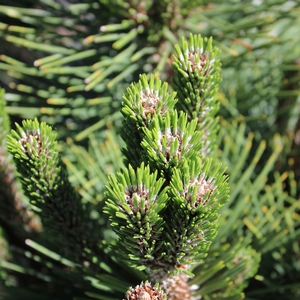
x=167, y=224
x=164, y=211
x=137, y=173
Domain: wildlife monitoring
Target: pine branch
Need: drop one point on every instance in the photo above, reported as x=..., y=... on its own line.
x=135, y=200
x=57, y=65
x=45, y=182
x=141, y=101
x=197, y=77
x=165, y=225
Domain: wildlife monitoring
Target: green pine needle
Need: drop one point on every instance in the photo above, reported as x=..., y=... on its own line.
x=135, y=200
x=46, y=184
x=197, y=77
x=169, y=139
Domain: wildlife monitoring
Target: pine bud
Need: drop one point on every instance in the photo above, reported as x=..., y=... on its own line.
x=145, y=291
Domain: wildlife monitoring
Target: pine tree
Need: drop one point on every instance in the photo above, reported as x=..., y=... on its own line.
x=66, y=249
